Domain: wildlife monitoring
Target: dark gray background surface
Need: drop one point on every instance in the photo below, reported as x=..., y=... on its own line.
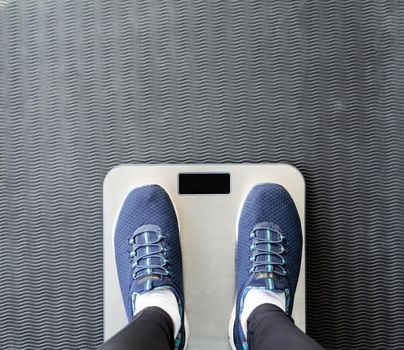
x=87, y=85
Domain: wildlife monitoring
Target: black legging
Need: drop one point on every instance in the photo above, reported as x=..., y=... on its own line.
x=268, y=328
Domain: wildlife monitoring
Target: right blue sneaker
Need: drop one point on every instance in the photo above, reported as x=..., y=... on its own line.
x=269, y=249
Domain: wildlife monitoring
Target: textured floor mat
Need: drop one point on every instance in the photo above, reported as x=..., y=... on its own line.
x=86, y=85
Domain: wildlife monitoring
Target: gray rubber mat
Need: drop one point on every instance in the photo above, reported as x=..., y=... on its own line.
x=87, y=85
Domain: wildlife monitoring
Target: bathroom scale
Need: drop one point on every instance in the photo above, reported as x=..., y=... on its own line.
x=208, y=199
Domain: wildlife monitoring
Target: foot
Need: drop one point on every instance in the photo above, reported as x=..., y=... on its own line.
x=269, y=247
x=148, y=256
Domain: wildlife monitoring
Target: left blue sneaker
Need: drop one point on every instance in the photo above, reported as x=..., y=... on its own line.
x=269, y=248
x=148, y=251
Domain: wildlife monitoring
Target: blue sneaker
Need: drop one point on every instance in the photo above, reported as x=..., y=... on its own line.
x=269, y=249
x=148, y=251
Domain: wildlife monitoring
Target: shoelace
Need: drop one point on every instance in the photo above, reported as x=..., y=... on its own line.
x=269, y=249
x=151, y=268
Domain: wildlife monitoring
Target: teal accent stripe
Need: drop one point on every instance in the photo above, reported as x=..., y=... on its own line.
x=287, y=295
x=148, y=284
x=269, y=269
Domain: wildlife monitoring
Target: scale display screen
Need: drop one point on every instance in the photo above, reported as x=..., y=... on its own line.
x=204, y=183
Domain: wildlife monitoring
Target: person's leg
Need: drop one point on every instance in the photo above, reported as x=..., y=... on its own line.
x=149, y=266
x=268, y=327
x=268, y=257
x=151, y=329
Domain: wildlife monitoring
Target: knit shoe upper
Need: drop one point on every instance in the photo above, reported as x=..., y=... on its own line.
x=147, y=249
x=269, y=248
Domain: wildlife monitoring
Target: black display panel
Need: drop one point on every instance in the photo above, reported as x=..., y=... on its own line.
x=204, y=183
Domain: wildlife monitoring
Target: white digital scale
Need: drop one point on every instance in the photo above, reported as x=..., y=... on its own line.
x=207, y=208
